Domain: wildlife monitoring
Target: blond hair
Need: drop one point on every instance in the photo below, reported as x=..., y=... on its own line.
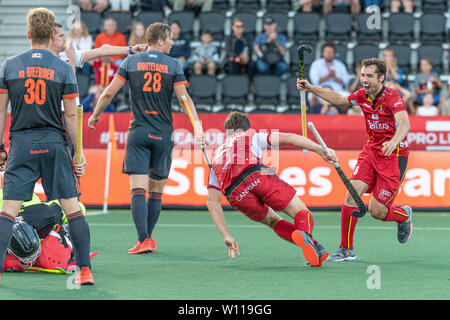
x=83, y=27
x=390, y=51
x=40, y=22
x=135, y=39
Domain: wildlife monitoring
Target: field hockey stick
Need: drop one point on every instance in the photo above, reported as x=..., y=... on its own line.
x=57, y=271
x=361, y=206
x=194, y=125
x=79, y=143
x=301, y=75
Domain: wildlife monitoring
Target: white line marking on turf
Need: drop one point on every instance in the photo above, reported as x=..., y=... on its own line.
x=260, y=226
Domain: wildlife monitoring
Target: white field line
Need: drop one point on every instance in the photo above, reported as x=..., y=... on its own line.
x=238, y=226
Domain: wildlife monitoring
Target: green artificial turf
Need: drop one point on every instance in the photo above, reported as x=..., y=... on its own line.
x=192, y=263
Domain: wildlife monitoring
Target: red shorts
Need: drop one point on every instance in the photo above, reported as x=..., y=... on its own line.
x=259, y=191
x=383, y=174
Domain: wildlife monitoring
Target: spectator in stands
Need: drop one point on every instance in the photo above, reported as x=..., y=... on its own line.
x=396, y=5
x=181, y=48
x=329, y=71
x=110, y=36
x=368, y=3
x=444, y=106
x=309, y=5
x=270, y=48
x=427, y=81
x=81, y=40
x=184, y=5
x=353, y=5
x=80, y=37
x=90, y=101
x=158, y=5
x=92, y=5
x=396, y=79
x=123, y=5
x=238, y=50
x=321, y=106
x=104, y=71
x=428, y=108
x=137, y=35
x=206, y=55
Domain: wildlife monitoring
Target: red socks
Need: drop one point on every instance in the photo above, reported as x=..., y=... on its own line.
x=284, y=230
x=348, y=224
x=396, y=214
x=304, y=221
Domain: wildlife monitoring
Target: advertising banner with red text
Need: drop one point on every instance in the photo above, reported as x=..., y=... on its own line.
x=426, y=182
x=340, y=132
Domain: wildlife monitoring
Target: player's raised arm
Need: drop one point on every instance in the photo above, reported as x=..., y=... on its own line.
x=281, y=139
x=326, y=94
x=109, y=51
x=216, y=212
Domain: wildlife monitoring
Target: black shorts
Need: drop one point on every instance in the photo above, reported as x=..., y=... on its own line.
x=28, y=162
x=148, y=153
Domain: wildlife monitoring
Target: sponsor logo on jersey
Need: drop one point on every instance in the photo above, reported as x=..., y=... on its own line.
x=248, y=189
x=376, y=125
x=37, y=55
x=384, y=194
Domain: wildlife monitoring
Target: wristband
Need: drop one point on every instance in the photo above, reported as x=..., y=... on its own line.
x=130, y=50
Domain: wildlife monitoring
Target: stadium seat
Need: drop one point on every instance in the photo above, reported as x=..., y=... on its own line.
x=221, y=5
x=363, y=33
x=278, y=5
x=251, y=5
x=401, y=27
x=433, y=51
x=338, y=26
x=186, y=20
x=249, y=19
x=202, y=89
x=235, y=90
x=123, y=19
x=306, y=26
x=364, y=51
x=293, y=95
x=214, y=22
x=341, y=53
x=281, y=19
x=266, y=90
x=293, y=58
x=402, y=54
x=434, y=6
x=149, y=17
x=93, y=21
x=432, y=27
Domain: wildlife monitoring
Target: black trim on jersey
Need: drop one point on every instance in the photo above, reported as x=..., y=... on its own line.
x=376, y=97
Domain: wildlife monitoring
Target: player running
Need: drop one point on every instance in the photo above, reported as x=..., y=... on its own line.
x=36, y=82
x=153, y=77
x=382, y=163
x=256, y=191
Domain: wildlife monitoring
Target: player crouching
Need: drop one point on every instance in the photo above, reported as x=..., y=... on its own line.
x=256, y=191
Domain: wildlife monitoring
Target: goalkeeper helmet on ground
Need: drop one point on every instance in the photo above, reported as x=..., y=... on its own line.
x=25, y=243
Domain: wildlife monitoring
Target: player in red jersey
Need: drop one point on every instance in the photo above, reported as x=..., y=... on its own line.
x=256, y=191
x=382, y=163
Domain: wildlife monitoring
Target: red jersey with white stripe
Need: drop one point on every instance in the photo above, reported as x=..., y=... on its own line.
x=379, y=117
x=239, y=152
